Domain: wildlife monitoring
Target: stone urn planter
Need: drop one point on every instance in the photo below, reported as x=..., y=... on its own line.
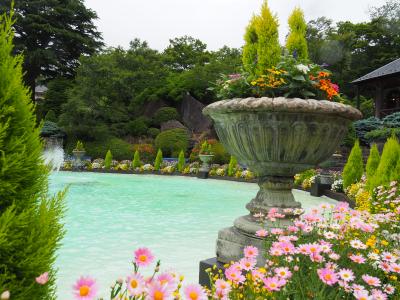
x=78, y=155
x=276, y=138
x=205, y=166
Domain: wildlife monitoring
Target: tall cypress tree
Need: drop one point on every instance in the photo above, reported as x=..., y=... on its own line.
x=249, y=56
x=268, y=48
x=296, y=41
x=30, y=228
x=354, y=168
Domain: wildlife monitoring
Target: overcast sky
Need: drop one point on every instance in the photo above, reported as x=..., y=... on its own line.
x=215, y=22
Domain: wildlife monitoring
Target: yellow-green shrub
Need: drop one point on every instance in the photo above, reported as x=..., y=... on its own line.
x=354, y=168
x=296, y=41
x=372, y=163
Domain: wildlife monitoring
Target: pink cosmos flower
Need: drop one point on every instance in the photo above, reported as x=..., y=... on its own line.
x=346, y=275
x=277, y=231
x=378, y=295
x=362, y=295
x=283, y=272
x=169, y=279
x=293, y=229
x=143, y=257
x=250, y=252
x=395, y=267
x=389, y=289
x=262, y=233
x=371, y=280
x=327, y=276
x=257, y=275
x=273, y=283
x=195, y=292
x=43, y=278
x=135, y=284
x=247, y=263
x=235, y=275
x=158, y=291
x=223, y=285
x=359, y=259
x=85, y=288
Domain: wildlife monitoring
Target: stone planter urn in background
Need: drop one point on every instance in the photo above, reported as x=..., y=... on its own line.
x=276, y=138
x=78, y=155
x=205, y=166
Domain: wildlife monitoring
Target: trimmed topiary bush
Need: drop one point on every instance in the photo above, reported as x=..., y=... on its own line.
x=30, y=220
x=108, y=160
x=138, y=127
x=172, y=141
x=372, y=163
x=354, y=168
x=181, y=161
x=136, y=160
x=388, y=163
x=153, y=132
x=232, y=166
x=165, y=114
x=159, y=160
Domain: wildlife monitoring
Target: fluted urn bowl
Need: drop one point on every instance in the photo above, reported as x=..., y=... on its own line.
x=279, y=137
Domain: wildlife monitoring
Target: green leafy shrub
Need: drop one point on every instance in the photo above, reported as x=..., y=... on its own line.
x=30, y=220
x=354, y=168
x=221, y=156
x=372, y=163
x=350, y=137
x=364, y=126
x=138, y=127
x=120, y=149
x=153, y=132
x=136, y=160
x=388, y=163
x=166, y=114
x=232, y=166
x=51, y=116
x=296, y=41
x=181, y=161
x=392, y=121
x=299, y=178
x=367, y=107
x=381, y=135
x=51, y=129
x=108, y=160
x=159, y=160
x=172, y=141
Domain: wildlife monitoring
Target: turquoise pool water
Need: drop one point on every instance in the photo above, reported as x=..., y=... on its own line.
x=110, y=215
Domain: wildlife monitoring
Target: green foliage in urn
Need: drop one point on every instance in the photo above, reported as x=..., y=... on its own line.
x=30, y=220
x=79, y=146
x=354, y=168
x=372, y=163
x=232, y=166
x=387, y=167
x=206, y=148
x=296, y=42
x=159, y=160
x=181, y=161
x=136, y=160
x=108, y=160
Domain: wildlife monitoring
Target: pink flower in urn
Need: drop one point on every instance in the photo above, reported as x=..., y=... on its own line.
x=43, y=278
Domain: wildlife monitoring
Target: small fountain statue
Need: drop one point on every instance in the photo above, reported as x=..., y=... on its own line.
x=78, y=152
x=206, y=157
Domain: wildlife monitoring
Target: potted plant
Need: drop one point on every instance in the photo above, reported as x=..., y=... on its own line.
x=206, y=156
x=280, y=117
x=78, y=152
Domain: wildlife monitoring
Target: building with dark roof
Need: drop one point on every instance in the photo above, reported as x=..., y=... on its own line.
x=385, y=85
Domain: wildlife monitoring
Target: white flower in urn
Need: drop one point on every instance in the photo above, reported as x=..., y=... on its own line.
x=303, y=68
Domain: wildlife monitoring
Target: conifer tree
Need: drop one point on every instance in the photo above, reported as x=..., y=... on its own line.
x=249, y=56
x=181, y=161
x=136, y=160
x=30, y=220
x=354, y=168
x=158, y=161
x=268, y=48
x=388, y=163
x=372, y=163
x=232, y=166
x=108, y=160
x=296, y=41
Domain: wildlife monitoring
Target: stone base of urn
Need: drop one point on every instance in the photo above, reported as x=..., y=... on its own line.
x=276, y=138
